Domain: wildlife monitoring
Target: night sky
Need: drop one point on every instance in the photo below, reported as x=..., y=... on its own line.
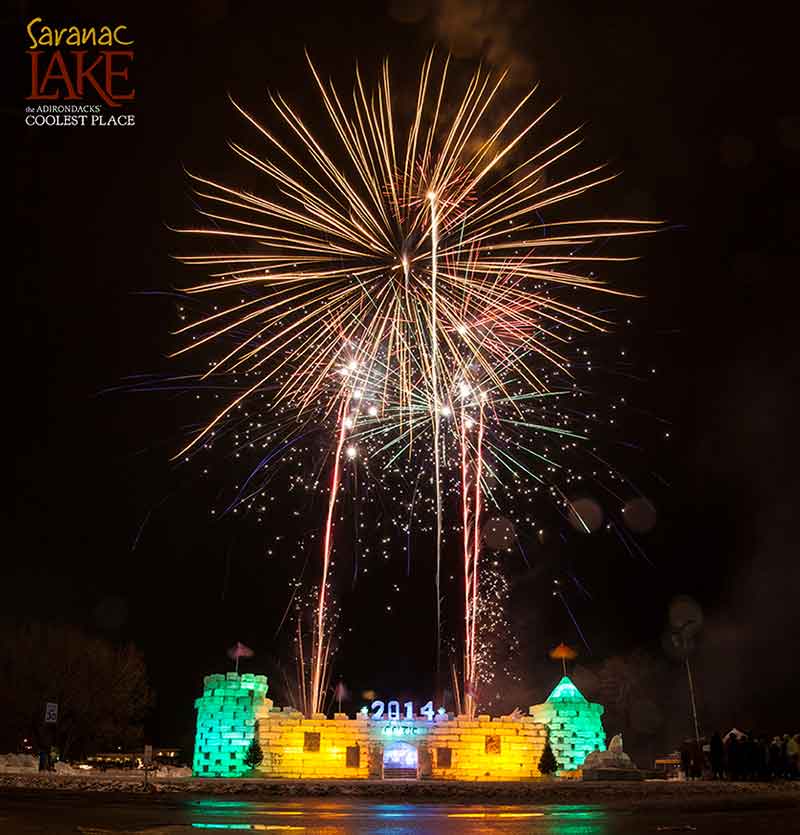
x=694, y=105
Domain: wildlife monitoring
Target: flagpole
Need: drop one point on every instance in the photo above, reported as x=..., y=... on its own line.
x=237, y=651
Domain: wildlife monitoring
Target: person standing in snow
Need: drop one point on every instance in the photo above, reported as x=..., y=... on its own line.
x=717, y=756
x=732, y=757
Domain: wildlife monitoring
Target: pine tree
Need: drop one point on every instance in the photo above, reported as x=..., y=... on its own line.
x=254, y=756
x=548, y=764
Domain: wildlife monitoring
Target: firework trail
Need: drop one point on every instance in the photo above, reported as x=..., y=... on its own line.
x=319, y=640
x=471, y=515
x=436, y=413
x=476, y=550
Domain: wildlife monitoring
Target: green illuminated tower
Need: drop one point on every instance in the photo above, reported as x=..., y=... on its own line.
x=576, y=728
x=226, y=720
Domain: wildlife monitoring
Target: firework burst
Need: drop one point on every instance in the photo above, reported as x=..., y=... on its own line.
x=393, y=244
x=398, y=282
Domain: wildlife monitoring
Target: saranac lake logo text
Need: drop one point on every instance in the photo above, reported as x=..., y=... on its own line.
x=79, y=71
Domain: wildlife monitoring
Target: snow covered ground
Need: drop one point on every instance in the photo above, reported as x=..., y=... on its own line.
x=647, y=794
x=18, y=763
x=27, y=764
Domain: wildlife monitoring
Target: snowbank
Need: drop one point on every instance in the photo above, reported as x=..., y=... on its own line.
x=26, y=763
x=173, y=771
x=18, y=763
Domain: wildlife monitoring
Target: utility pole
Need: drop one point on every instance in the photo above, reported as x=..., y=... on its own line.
x=685, y=644
x=694, y=705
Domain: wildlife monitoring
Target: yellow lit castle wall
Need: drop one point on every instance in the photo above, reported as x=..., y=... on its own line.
x=502, y=748
x=575, y=724
x=313, y=748
x=447, y=749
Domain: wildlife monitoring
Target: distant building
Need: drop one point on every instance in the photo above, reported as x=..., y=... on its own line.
x=130, y=759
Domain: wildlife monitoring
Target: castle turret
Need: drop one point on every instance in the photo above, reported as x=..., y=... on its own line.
x=226, y=720
x=574, y=723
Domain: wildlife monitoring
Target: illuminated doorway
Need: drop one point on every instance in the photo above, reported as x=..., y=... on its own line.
x=400, y=761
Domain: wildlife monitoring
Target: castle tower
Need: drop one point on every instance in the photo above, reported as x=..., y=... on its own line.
x=226, y=718
x=575, y=726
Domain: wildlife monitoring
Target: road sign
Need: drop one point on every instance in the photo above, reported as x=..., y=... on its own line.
x=51, y=713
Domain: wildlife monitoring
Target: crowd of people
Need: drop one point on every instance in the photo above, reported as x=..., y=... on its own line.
x=742, y=756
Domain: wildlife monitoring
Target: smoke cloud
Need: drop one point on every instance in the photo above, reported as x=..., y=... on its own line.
x=479, y=30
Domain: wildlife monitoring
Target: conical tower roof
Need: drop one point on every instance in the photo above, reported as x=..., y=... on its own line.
x=566, y=691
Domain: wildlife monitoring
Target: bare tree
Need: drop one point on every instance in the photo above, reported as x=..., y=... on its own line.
x=101, y=689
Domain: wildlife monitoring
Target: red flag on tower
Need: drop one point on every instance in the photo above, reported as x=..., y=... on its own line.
x=239, y=650
x=341, y=693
